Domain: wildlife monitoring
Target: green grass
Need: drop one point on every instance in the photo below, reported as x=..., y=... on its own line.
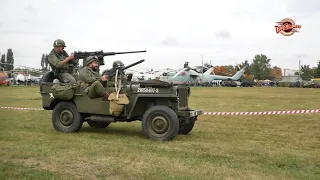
x=219, y=147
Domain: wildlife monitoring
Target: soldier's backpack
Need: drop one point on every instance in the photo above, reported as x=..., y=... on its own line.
x=63, y=91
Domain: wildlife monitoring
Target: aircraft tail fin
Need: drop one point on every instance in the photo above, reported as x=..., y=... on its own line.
x=238, y=75
x=208, y=72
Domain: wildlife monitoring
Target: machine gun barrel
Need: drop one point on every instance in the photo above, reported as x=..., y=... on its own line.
x=115, y=53
x=83, y=55
x=100, y=54
x=133, y=64
x=112, y=72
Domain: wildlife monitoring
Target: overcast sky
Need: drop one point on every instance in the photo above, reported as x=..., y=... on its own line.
x=171, y=31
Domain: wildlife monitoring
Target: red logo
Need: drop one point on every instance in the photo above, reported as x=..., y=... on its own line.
x=287, y=27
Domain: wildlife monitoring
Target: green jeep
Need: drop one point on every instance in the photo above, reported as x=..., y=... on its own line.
x=163, y=108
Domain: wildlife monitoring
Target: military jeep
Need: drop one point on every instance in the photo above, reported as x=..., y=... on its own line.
x=162, y=107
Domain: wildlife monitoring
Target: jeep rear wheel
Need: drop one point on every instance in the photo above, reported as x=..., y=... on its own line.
x=186, y=126
x=94, y=124
x=160, y=123
x=66, y=118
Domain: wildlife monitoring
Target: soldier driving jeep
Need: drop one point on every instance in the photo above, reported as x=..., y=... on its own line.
x=93, y=84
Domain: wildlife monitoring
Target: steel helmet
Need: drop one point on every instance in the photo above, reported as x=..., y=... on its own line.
x=59, y=43
x=117, y=64
x=90, y=59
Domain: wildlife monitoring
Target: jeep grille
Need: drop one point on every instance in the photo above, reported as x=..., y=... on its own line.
x=182, y=98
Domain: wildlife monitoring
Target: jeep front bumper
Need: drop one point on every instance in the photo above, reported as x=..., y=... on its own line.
x=192, y=113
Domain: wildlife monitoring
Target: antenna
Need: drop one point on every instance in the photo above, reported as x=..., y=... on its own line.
x=299, y=67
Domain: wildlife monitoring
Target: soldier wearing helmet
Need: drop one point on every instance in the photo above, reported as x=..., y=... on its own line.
x=91, y=81
x=117, y=64
x=58, y=59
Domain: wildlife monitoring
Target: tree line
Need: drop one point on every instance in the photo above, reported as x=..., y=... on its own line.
x=44, y=62
x=261, y=69
x=7, y=61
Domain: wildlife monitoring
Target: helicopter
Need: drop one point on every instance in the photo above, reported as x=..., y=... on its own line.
x=189, y=75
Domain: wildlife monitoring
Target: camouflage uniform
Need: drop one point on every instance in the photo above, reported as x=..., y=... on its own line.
x=62, y=71
x=90, y=80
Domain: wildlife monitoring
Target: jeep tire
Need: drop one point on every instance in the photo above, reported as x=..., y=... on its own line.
x=66, y=118
x=160, y=123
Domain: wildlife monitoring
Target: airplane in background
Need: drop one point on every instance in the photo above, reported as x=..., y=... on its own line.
x=211, y=77
x=150, y=75
x=187, y=75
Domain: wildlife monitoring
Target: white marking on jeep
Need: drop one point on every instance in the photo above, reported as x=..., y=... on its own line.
x=51, y=96
x=149, y=90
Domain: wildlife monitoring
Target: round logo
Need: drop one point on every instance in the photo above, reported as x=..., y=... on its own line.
x=287, y=27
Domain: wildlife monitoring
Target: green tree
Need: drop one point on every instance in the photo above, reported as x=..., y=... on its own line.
x=306, y=73
x=275, y=73
x=317, y=71
x=43, y=61
x=261, y=66
x=245, y=63
x=3, y=60
x=248, y=74
x=46, y=62
x=10, y=60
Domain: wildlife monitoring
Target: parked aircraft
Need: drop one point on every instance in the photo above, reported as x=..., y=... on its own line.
x=235, y=77
x=149, y=75
x=187, y=75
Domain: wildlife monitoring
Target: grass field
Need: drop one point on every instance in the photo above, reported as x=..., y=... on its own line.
x=219, y=147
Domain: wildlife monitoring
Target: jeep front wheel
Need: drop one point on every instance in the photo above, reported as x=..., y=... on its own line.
x=160, y=123
x=66, y=118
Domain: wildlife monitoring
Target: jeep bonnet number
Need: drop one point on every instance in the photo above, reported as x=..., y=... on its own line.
x=149, y=90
